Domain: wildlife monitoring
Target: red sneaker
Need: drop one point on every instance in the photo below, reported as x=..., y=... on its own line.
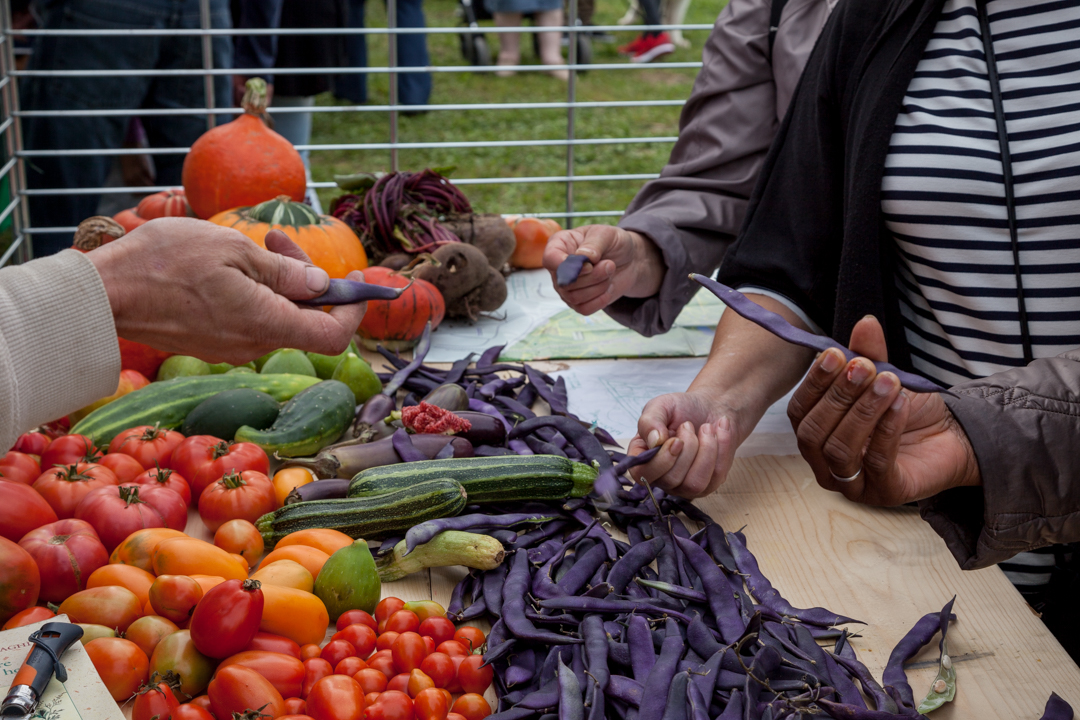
x=631, y=48
x=651, y=48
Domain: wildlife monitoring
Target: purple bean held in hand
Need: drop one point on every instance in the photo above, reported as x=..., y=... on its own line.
x=781, y=328
x=347, y=292
x=569, y=269
x=634, y=460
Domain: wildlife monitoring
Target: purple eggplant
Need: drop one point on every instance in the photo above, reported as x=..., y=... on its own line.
x=448, y=396
x=374, y=411
x=329, y=489
x=485, y=430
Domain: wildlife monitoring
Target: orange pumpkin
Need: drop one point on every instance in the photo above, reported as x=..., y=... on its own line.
x=398, y=324
x=531, y=236
x=243, y=162
x=330, y=243
x=167, y=203
x=129, y=219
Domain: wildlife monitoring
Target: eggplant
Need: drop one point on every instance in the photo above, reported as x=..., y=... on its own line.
x=372, y=412
x=347, y=459
x=329, y=489
x=485, y=430
x=448, y=396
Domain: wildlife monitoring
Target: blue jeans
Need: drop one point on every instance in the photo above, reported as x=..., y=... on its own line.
x=105, y=91
x=413, y=88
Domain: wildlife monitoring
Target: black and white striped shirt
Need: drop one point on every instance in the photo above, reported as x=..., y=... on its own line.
x=943, y=192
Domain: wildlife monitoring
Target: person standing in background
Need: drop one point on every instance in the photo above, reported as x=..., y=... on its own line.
x=546, y=13
x=413, y=88
x=649, y=45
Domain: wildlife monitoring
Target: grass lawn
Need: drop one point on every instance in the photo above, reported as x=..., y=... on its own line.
x=653, y=83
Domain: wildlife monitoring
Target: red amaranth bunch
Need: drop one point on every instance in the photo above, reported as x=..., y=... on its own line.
x=428, y=419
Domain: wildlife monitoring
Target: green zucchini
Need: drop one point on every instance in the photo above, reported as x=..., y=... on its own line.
x=309, y=422
x=223, y=414
x=486, y=479
x=167, y=403
x=370, y=517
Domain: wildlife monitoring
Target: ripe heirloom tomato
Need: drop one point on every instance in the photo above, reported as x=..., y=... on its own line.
x=440, y=668
x=154, y=700
x=236, y=689
x=117, y=511
x=32, y=443
x=351, y=617
x=164, y=477
x=245, y=495
x=287, y=480
x=113, y=607
x=391, y=705
x=191, y=711
x=227, y=618
x=284, y=672
x=418, y=681
x=430, y=704
x=386, y=640
x=408, y=651
x=472, y=706
x=474, y=678
x=336, y=697
x=403, y=621
x=203, y=459
x=387, y=607
x=123, y=667
x=174, y=597
x=315, y=669
x=349, y=666
x=22, y=509
x=66, y=553
x=269, y=642
x=134, y=579
x=148, y=631
x=125, y=467
x=438, y=629
x=360, y=636
x=337, y=650
x=19, y=467
x=240, y=537
x=471, y=637
x=29, y=616
x=151, y=446
x=371, y=680
x=19, y=578
x=65, y=487
x=69, y=450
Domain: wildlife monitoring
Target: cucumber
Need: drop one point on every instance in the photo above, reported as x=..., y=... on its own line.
x=370, y=517
x=168, y=403
x=486, y=479
x=224, y=414
x=309, y=422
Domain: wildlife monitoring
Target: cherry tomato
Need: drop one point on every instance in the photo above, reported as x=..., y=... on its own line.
x=399, y=682
x=361, y=636
x=386, y=640
x=29, y=616
x=124, y=466
x=284, y=672
x=295, y=706
x=429, y=644
x=228, y=618
x=32, y=443
x=418, y=680
x=408, y=651
x=474, y=678
x=452, y=648
x=383, y=661
x=430, y=704
x=174, y=597
x=123, y=667
x=337, y=650
x=19, y=467
x=275, y=643
x=454, y=686
x=371, y=680
x=191, y=711
x=438, y=629
x=240, y=537
x=391, y=705
x=403, y=621
x=440, y=668
x=65, y=487
x=148, y=631
x=471, y=637
x=69, y=450
x=472, y=706
x=236, y=688
x=165, y=478
x=425, y=609
x=315, y=669
x=387, y=607
x=351, y=617
x=203, y=459
x=336, y=697
x=149, y=444
x=154, y=700
x=349, y=666
x=311, y=650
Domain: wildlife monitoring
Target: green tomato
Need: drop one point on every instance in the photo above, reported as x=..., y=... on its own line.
x=93, y=632
x=182, y=366
x=177, y=652
x=358, y=375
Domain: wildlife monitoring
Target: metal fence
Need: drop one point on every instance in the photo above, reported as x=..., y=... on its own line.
x=14, y=170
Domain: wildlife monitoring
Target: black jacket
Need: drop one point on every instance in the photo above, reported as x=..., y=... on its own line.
x=814, y=231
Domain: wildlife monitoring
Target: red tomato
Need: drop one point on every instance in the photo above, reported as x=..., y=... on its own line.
x=408, y=651
x=203, y=701
x=403, y=621
x=383, y=662
x=315, y=669
x=452, y=648
x=240, y=537
x=349, y=666
x=371, y=680
x=386, y=640
x=154, y=701
x=203, y=459
x=123, y=667
x=117, y=511
x=387, y=607
x=69, y=450
x=148, y=631
x=351, y=617
x=19, y=578
x=22, y=509
x=284, y=672
x=399, y=682
x=454, y=715
x=370, y=699
x=151, y=446
x=454, y=686
x=19, y=467
x=440, y=668
x=29, y=616
x=294, y=706
x=65, y=487
x=337, y=650
x=360, y=636
x=336, y=697
x=227, y=618
x=164, y=477
x=438, y=629
x=471, y=637
x=429, y=644
x=269, y=642
x=391, y=705
x=418, y=680
x=472, y=706
x=472, y=677
x=125, y=467
x=66, y=552
x=430, y=704
x=236, y=689
x=292, y=716
x=246, y=496
x=311, y=650
x=174, y=597
x=191, y=711
x=33, y=443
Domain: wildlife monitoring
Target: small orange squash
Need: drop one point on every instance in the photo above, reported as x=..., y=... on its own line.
x=167, y=203
x=398, y=324
x=329, y=242
x=129, y=219
x=242, y=162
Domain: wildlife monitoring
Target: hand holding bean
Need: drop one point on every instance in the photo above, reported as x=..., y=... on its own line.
x=852, y=422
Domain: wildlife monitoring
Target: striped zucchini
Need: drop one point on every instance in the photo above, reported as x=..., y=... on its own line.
x=486, y=479
x=370, y=517
x=167, y=403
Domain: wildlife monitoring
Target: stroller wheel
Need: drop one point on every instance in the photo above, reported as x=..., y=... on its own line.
x=466, y=40
x=584, y=50
x=481, y=52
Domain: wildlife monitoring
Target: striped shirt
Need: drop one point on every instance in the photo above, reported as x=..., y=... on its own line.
x=943, y=192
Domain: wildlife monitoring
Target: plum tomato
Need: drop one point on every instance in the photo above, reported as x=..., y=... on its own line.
x=123, y=667
x=349, y=666
x=336, y=697
x=430, y=704
x=284, y=672
x=360, y=636
x=174, y=597
x=399, y=682
x=440, y=668
x=408, y=651
x=418, y=680
x=386, y=640
x=370, y=698
x=29, y=616
x=276, y=643
x=154, y=700
x=337, y=650
x=425, y=609
x=387, y=607
x=315, y=669
x=438, y=629
x=148, y=631
x=452, y=648
x=371, y=680
x=472, y=706
x=472, y=677
x=236, y=689
x=383, y=661
x=403, y=621
x=227, y=618
x=351, y=617
x=471, y=637
x=191, y=711
x=391, y=705
x=295, y=706
x=311, y=650
x=429, y=644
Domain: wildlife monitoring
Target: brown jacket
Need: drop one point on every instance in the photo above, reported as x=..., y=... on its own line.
x=695, y=208
x=1024, y=426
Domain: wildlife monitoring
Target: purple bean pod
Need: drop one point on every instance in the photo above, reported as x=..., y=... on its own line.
x=916, y=638
x=659, y=680
x=457, y=597
x=627, y=690
x=717, y=590
x=558, y=407
x=515, y=590
x=632, y=461
x=610, y=605
x=419, y=353
x=404, y=447
x=606, y=484
x=1057, y=709
x=699, y=708
x=347, y=292
x=626, y=567
x=514, y=407
x=881, y=699
x=489, y=356
x=478, y=608
x=569, y=269
x=676, y=591
x=584, y=568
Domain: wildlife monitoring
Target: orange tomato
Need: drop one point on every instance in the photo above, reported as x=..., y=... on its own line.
x=243, y=563
x=325, y=539
x=131, y=577
x=189, y=556
x=285, y=481
x=148, y=631
x=240, y=537
x=419, y=681
x=112, y=606
x=298, y=615
x=138, y=548
x=175, y=597
x=311, y=558
x=125, y=467
x=309, y=651
x=285, y=573
x=207, y=581
x=531, y=236
x=123, y=667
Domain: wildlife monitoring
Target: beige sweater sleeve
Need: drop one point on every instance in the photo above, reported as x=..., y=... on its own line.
x=58, y=347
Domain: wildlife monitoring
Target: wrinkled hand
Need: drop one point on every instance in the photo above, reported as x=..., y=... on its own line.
x=848, y=417
x=621, y=264
x=192, y=287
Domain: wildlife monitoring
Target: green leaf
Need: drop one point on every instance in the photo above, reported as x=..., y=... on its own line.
x=943, y=689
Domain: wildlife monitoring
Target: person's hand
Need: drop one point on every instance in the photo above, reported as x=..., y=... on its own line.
x=621, y=264
x=189, y=286
x=851, y=421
